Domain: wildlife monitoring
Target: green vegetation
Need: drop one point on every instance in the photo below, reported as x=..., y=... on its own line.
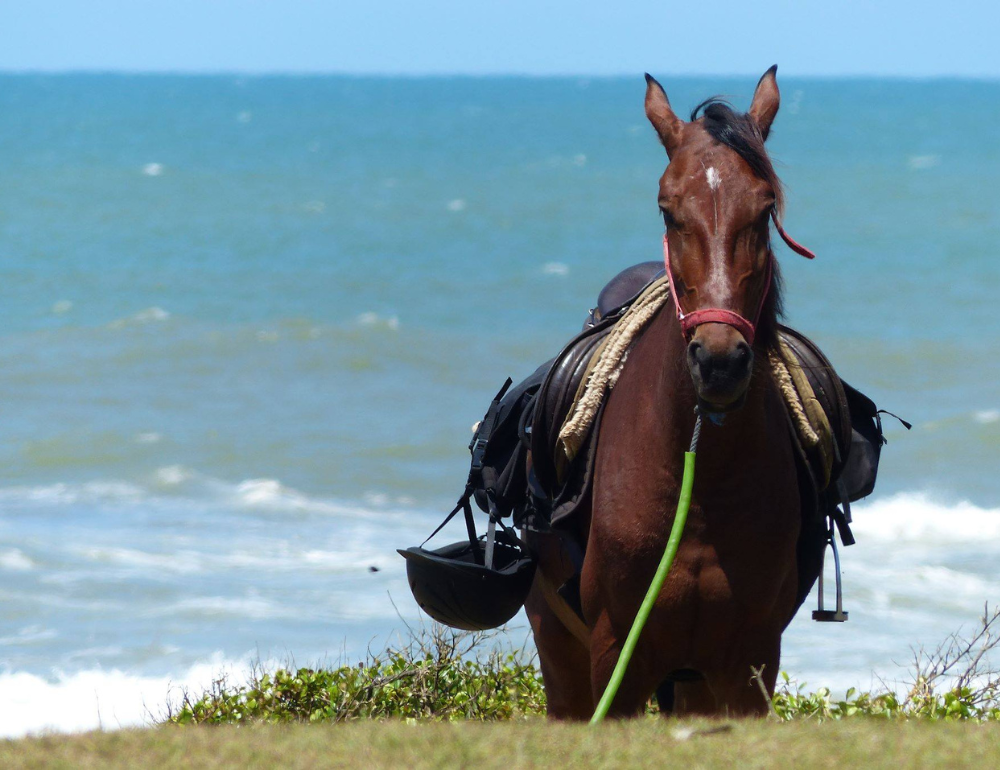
x=442, y=675
x=437, y=675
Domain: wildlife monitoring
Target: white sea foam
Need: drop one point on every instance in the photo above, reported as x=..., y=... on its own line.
x=68, y=494
x=987, y=416
x=14, y=560
x=921, y=162
x=456, y=205
x=254, y=607
x=271, y=493
x=62, y=306
x=919, y=518
x=151, y=314
x=374, y=319
x=145, y=561
x=147, y=316
x=179, y=487
x=93, y=699
x=148, y=438
x=172, y=475
x=152, y=169
x=555, y=268
x=28, y=635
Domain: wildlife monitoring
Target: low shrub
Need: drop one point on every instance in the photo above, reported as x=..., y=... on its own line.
x=442, y=674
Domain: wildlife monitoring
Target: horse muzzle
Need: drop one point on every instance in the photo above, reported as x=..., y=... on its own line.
x=720, y=362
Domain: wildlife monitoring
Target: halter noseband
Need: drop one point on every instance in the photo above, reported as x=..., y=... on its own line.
x=689, y=321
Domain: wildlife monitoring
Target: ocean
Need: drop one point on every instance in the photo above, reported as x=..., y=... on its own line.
x=247, y=323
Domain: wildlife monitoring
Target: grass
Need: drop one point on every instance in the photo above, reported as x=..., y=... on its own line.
x=525, y=744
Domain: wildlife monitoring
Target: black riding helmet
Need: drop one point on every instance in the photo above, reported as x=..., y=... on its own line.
x=454, y=586
x=479, y=583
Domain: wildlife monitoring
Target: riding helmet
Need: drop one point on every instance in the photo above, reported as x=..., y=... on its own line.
x=453, y=586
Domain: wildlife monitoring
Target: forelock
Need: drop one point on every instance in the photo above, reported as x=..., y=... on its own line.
x=740, y=133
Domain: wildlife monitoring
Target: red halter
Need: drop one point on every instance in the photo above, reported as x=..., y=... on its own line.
x=718, y=315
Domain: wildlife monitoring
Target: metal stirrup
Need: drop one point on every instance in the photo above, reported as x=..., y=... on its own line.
x=821, y=614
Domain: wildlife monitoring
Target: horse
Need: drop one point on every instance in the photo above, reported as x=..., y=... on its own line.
x=713, y=638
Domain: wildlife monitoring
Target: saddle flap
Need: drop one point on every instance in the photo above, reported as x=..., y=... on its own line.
x=828, y=391
x=555, y=399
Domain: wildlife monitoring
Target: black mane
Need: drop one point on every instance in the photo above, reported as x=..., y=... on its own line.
x=740, y=133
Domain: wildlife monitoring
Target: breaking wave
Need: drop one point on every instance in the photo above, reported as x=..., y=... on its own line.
x=98, y=699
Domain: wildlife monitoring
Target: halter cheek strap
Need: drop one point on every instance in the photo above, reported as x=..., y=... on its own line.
x=794, y=245
x=689, y=321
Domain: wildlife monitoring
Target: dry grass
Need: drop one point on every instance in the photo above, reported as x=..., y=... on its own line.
x=533, y=743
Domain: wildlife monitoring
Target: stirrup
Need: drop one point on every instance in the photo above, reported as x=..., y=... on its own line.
x=821, y=614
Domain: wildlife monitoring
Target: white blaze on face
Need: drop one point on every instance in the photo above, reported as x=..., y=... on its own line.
x=718, y=278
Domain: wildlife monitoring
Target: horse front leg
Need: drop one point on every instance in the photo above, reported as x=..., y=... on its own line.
x=637, y=683
x=737, y=688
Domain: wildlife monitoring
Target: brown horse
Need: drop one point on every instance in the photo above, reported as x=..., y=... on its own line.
x=734, y=585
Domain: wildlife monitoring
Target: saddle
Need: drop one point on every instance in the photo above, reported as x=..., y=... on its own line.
x=560, y=485
x=836, y=430
x=822, y=404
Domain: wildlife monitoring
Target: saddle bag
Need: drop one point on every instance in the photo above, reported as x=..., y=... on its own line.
x=499, y=447
x=857, y=478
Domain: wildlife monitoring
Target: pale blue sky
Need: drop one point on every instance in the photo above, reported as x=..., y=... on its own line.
x=912, y=38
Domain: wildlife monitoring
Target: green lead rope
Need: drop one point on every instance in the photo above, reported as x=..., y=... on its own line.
x=683, y=504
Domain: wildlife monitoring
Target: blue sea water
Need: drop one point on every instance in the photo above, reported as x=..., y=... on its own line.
x=247, y=322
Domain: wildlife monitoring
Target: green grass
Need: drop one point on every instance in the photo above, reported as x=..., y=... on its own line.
x=533, y=743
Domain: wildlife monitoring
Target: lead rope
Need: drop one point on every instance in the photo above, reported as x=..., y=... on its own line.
x=683, y=504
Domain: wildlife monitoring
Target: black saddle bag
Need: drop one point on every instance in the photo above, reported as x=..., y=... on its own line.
x=861, y=466
x=499, y=447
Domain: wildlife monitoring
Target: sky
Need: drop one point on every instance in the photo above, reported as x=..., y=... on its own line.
x=907, y=38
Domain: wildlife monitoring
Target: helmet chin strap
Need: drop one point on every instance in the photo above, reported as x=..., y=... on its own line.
x=746, y=327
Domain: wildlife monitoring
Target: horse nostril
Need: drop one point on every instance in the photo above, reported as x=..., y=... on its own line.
x=694, y=348
x=743, y=354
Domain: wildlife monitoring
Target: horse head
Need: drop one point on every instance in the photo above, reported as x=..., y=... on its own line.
x=717, y=196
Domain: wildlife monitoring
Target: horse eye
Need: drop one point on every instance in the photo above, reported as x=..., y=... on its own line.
x=668, y=218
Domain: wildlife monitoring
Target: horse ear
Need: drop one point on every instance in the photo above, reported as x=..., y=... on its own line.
x=668, y=126
x=765, y=101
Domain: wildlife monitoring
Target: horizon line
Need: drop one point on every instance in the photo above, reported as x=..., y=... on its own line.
x=433, y=74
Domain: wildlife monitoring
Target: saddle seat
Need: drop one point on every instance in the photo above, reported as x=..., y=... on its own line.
x=624, y=288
